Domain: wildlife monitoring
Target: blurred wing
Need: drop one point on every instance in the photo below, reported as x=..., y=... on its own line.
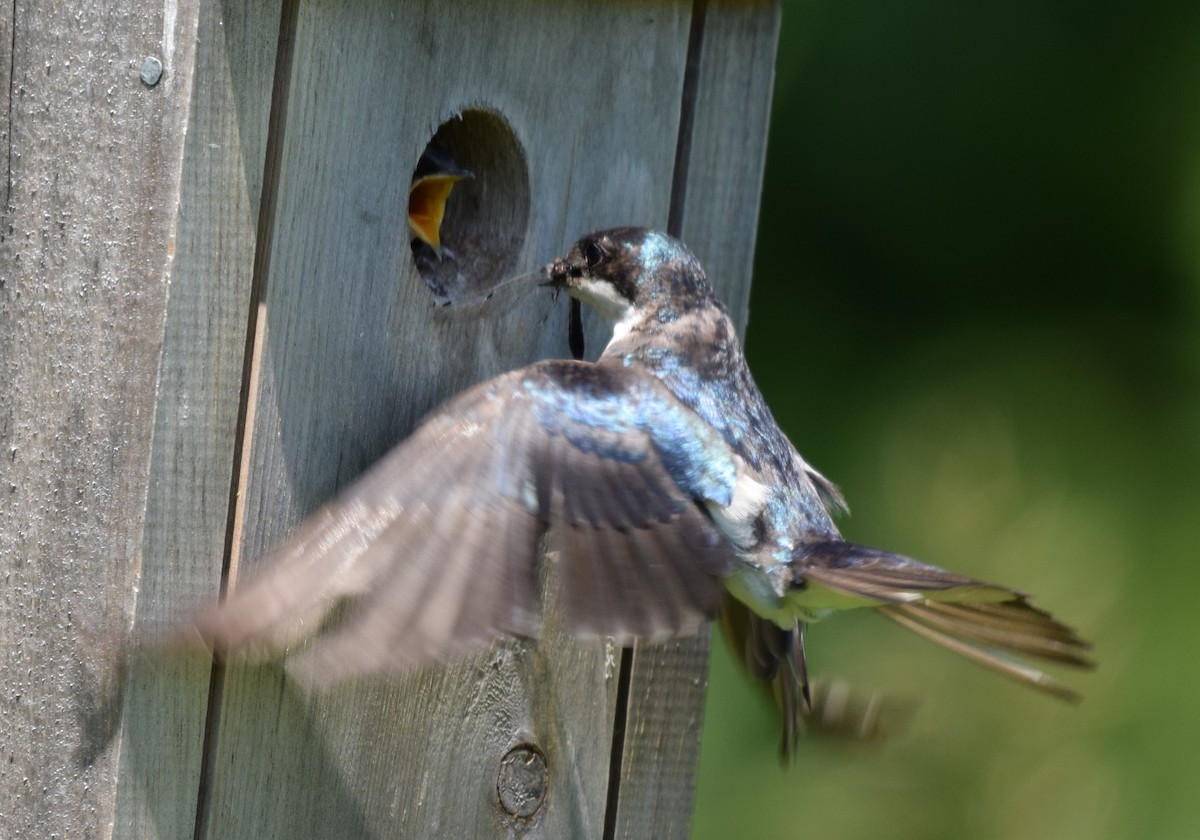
x=775, y=657
x=436, y=550
x=846, y=714
x=981, y=621
x=820, y=707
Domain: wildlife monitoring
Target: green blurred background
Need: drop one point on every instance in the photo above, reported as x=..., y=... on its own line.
x=976, y=308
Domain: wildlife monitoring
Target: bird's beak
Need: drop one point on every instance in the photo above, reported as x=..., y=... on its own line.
x=427, y=206
x=556, y=273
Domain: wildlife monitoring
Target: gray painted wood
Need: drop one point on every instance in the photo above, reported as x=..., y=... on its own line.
x=720, y=215
x=93, y=157
x=127, y=286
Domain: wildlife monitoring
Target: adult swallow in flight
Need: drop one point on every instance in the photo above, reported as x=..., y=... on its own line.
x=669, y=495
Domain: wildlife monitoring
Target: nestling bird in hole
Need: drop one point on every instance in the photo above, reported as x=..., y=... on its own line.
x=668, y=492
x=433, y=180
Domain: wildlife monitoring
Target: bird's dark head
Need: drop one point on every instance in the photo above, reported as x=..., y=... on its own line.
x=627, y=273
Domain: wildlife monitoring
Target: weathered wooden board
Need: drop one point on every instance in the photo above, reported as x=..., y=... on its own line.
x=92, y=159
x=354, y=351
x=729, y=143
x=725, y=154
x=334, y=165
x=7, y=22
x=196, y=423
x=122, y=409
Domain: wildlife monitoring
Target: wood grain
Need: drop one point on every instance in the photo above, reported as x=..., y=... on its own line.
x=199, y=390
x=354, y=351
x=145, y=258
x=7, y=30
x=93, y=158
x=729, y=144
x=726, y=154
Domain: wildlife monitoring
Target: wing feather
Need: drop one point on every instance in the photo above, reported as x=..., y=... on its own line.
x=434, y=549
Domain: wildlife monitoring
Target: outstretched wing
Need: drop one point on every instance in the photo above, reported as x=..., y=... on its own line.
x=984, y=622
x=435, y=550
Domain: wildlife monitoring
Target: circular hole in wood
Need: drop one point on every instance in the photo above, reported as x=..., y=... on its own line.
x=473, y=179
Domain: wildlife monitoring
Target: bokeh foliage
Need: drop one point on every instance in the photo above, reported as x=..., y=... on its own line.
x=976, y=308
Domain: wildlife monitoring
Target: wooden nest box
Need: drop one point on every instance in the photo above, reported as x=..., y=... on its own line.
x=211, y=318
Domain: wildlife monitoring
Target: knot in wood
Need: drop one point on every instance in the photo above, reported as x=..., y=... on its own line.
x=522, y=781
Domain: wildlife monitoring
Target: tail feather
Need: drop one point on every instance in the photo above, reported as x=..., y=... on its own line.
x=1045, y=638
x=987, y=657
x=984, y=622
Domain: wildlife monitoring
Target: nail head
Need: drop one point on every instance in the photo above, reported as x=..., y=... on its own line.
x=152, y=71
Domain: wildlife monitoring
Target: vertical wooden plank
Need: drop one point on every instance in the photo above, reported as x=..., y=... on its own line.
x=352, y=351
x=7, y=20
x=199, y=390
x=92, y=155
x=613, y=168
x=662, y=738
x=729, y=143
x=726, y=152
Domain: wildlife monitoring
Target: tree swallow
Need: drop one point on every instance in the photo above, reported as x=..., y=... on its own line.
x=667, y=490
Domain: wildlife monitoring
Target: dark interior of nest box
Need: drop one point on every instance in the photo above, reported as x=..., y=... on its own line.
x=486, y=213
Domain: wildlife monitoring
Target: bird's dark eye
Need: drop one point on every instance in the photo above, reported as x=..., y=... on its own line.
x=592, y=254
